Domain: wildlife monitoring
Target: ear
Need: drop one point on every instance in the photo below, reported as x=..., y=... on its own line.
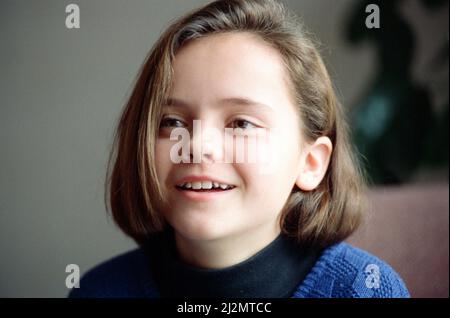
x=314, y=163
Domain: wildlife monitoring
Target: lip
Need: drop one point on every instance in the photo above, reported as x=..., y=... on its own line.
x=203, y=196
x=199, y=178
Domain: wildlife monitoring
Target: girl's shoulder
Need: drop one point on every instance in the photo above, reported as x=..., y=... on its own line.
x=345, y=271
x=124, y=276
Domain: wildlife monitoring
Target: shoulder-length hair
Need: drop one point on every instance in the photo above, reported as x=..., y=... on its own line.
x=321, y=217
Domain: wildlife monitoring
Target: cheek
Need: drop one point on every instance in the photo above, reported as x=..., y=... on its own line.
x=279, y=154
x=275, y=172
x=264, y=195
x=162, y=159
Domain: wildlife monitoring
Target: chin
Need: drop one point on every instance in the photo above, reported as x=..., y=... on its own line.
x=203, y=229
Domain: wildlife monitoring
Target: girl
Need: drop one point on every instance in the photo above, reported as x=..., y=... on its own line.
x=221, y=228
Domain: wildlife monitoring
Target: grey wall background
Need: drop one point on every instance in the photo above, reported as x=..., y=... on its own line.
x=61, y=92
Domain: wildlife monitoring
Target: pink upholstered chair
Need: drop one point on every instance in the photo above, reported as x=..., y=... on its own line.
x=408, y=227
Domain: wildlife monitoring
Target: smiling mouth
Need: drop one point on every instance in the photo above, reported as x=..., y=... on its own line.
x=205, y=190
x=204, y=186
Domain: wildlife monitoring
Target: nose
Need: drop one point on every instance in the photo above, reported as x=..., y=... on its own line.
x=206, y=143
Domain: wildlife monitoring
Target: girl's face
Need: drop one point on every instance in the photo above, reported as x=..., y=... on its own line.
x=208, y=71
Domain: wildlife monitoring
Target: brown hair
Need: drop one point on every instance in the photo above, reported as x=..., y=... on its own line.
x=321, y=217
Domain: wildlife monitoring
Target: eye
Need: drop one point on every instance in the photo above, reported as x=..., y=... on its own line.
x=171, y=122
x=243, y=124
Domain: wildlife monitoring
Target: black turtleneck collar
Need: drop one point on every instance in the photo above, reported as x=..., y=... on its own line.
x=275, y=271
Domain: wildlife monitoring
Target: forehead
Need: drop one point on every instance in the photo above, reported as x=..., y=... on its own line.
x=232, y=64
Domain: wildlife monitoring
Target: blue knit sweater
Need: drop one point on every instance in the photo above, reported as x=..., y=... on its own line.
x=342, y=271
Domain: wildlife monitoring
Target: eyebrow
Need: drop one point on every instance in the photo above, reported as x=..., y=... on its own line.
x=238, y=101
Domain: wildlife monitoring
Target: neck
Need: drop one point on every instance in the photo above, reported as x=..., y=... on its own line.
x=227, y=251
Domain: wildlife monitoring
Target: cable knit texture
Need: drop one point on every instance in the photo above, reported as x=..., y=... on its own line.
x=342, y=271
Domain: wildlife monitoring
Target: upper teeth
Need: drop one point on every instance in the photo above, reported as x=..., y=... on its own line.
x=204, y=185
